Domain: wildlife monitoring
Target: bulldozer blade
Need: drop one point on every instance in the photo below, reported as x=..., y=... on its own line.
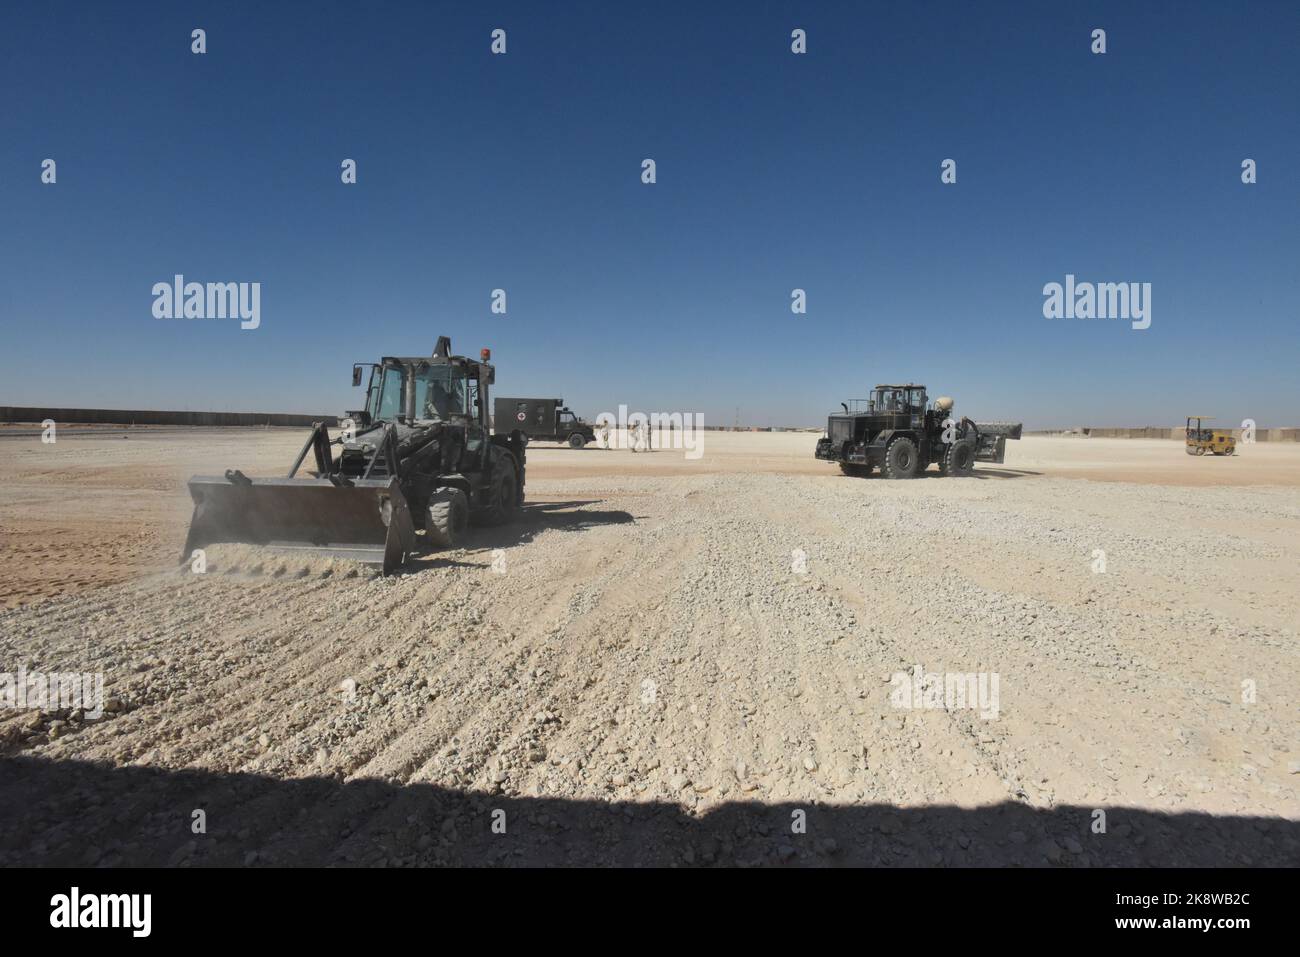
x=367, y=520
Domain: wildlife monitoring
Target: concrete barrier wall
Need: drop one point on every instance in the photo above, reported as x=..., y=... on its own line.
x=153, y=417
x=1143, y=432
x=1180, y=433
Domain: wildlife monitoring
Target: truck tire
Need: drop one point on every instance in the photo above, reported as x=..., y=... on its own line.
x=901, y=459
x=447, y=519
x=854, y=469
x=503, y=496
x=577, y=440
x=959, y=458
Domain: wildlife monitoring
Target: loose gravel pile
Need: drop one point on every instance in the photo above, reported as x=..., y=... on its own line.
x=696, y=670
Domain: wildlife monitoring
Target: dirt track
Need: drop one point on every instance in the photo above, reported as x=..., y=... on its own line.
x=658, y=677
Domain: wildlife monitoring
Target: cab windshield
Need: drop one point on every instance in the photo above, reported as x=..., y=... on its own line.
x=440, y=391
x=898, y=400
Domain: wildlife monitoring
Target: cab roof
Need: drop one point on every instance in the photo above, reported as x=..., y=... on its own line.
x=442, y=356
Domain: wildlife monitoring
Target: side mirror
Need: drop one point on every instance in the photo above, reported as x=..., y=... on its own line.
x=356, y=376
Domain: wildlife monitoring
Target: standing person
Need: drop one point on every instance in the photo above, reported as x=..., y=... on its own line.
x=602, y=435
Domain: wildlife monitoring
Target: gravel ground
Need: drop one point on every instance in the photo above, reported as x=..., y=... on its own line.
x=654, y=667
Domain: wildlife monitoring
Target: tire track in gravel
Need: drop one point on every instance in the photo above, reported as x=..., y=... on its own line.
x=261, y=642
x=883, y=596
x=1067, y=665
x=353, y=817
x=531, y=650
x=601, y=687
x=499, y=728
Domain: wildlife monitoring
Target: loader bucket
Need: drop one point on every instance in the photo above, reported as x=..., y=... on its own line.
x=365, y=520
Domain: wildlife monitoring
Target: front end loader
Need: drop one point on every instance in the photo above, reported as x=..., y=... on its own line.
x=419, y=458
x=900, y=433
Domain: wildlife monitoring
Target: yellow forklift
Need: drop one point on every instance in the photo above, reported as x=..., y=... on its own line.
x=1201, y=440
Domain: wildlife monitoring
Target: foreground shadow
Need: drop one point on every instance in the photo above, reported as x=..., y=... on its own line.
x=78, y=813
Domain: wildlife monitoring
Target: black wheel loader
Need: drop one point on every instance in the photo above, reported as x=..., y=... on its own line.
x=418, y=458
x=897, y=431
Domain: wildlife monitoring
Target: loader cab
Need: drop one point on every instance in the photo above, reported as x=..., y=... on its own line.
x=898, y=399
x=422, y=391
x=904, y=404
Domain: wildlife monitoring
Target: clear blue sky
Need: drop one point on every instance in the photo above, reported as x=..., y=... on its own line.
x=775, y=171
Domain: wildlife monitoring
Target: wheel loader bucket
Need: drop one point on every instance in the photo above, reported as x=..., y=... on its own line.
x=364, y=520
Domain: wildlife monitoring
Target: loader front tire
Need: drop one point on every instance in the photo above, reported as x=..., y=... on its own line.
x=854, y=469
x=959, y=458
x=447, y=518
x=503, y=497
x=901, y=459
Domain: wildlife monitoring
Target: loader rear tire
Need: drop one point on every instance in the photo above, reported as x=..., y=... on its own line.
x=503, y=499
x=447, y=519
x=901, y=459
x=959, y=458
